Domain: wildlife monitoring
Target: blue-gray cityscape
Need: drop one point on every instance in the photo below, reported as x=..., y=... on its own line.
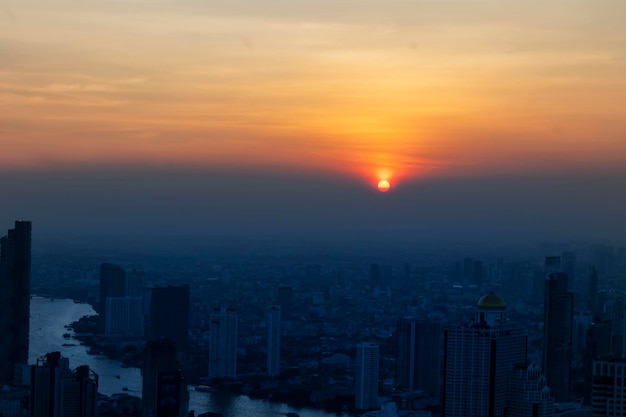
x=261, y=328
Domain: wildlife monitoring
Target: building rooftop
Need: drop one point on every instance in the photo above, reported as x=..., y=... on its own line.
x=491, y=300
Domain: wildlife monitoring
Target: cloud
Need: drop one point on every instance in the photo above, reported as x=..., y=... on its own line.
x=8, y=11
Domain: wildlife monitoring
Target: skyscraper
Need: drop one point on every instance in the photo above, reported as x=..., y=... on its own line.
x=15, y=266
x=112, y=284
x=164, y=391
x=592, y=288
x=478, y=360
x=273, y=340
x=168, y=314
x=419, y=346
x=135, y=284
x=366, y=376
x=57, y=391
x=223, y=344
x=124, y=316
x=558, y=330
x=284, y=298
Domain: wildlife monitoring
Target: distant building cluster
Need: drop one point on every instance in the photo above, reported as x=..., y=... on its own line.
x=485, y=361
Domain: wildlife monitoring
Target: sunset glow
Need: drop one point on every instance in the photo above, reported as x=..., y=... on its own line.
x=419, y=89
x=383, y=186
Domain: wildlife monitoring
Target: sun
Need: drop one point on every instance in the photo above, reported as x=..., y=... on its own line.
x=383, y=186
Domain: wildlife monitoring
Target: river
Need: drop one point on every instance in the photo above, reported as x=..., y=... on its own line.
x=48, y=318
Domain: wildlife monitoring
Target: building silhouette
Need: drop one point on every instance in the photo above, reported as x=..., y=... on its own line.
x=592, y=289
x=135, y=284
x=419, y=349
x=284, y=299
x=558, y=330
x=608, y=395
x=164, y=390
x=15, y=268
x=366, y=376
x=168, y=314
x=273, y=340
x=57, y=391
x=223, y=344
x=479, y=357
x=112, y=284
x=124, y=316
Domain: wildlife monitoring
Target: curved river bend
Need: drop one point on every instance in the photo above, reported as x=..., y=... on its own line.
x=48, y=318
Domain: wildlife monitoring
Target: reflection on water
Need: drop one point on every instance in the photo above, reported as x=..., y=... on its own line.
x=47, y=322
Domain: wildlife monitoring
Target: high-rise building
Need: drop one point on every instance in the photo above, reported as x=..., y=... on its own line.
x=273, y=340
x=592, y=289
x=419, y=347
x=168, y=314
x=479, y=357
x=608, y=395
x=530, y=395
x=558, y=330
x=366, y=376
x=124, y=316
x=112, y=284
x=57, y=391
x=164, y=390
x=284, y=298
x=15, y=266
x=223, y=344
x=135, y=284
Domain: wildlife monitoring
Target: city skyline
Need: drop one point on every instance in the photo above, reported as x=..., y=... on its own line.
x=492, y=120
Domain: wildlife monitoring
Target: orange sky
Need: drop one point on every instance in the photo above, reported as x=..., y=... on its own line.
x=392, y=88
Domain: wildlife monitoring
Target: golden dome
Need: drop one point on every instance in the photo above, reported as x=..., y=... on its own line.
x=491, y=300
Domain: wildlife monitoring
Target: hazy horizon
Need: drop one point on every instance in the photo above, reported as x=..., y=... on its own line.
x=141, y=202
x=494, y=120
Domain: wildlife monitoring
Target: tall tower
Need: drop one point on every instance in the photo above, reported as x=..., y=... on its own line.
x=57, y=391
x=558, y=327
x=124, y=316
x=223, y=344
x=168, y=315
x=273, y=341
x=592, y=288
x=112, y=284
x=164, y=391
x=419, y=346
x=284, y=298
x=478, y=360
x=15, y=260
x=366, y=376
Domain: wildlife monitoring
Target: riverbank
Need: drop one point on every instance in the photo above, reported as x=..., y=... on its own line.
x=49, y=319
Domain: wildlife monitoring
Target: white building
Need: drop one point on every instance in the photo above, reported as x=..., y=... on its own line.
x=478, y=360
x=366, y=378
x=273, y=340
x=223, y=344
x=608, y=392
x=530, y=395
